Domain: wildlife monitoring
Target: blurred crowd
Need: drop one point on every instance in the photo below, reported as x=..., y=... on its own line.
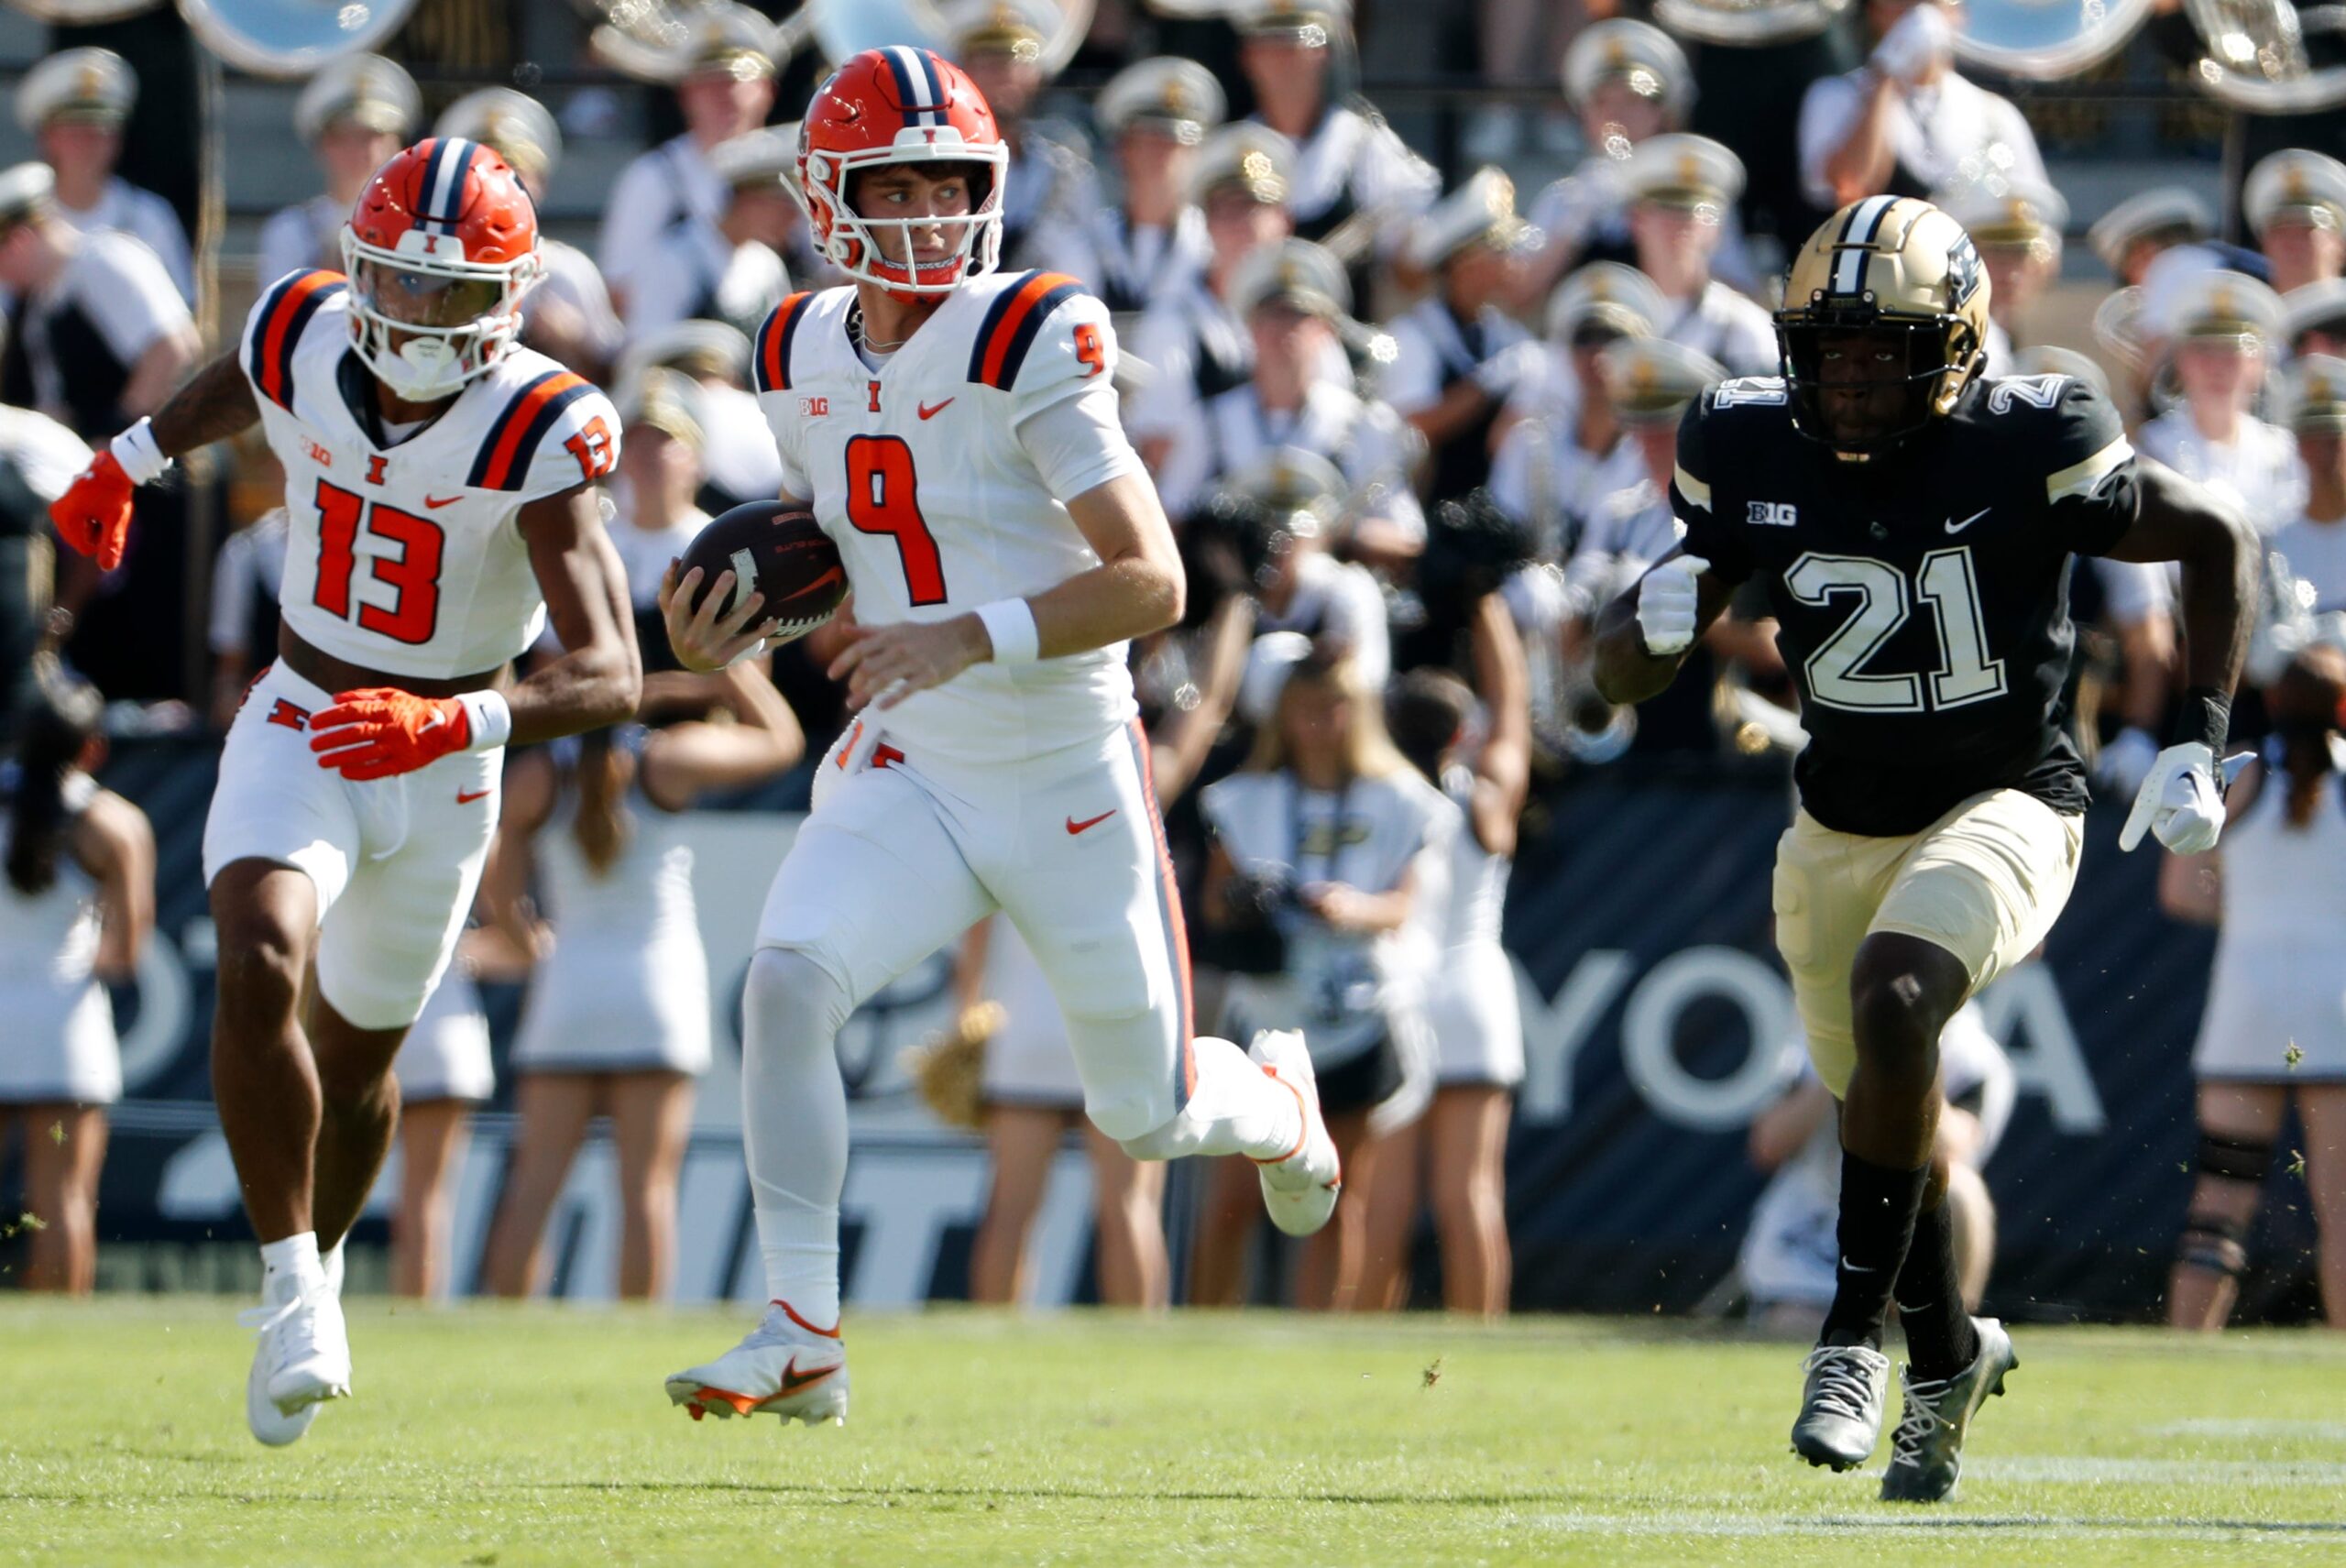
x=1413, y=431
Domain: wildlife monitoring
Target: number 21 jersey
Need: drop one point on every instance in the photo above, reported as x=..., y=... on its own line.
x=1922, y=597
x=406, y=555
x=941, y=474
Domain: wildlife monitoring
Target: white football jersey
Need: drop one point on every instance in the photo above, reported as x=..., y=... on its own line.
x=941, y=476
x=405, y=556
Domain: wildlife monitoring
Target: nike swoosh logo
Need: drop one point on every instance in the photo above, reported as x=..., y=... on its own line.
x=463, y=799
x=1955, y=526
x=436, y=502
x=825, y=581
x=1073, y=826
x=930, y=411
x=792, y=1380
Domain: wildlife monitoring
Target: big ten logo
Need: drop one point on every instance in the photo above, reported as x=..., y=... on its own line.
x=1735, y=1008
x=814, y=408
x=318, y=454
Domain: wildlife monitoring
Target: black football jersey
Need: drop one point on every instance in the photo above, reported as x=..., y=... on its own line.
x=1922, y=598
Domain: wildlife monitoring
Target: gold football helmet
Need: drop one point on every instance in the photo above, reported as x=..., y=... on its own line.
x=1884, y=323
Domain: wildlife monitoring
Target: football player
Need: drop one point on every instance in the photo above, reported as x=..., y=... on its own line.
x=955, y=431
x=439, y=486
x=1912, y=522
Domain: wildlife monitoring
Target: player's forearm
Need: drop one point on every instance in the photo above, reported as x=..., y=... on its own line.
x=1113, y=602
x=1625, y=672
x=584, y=689
x=2218, y=551
x=215, y=404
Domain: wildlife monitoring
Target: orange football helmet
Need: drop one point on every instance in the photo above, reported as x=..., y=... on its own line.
x=440, y=249
x=901, y=105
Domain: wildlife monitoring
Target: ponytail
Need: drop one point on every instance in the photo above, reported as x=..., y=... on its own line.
x=61, y=713
x=600, y=825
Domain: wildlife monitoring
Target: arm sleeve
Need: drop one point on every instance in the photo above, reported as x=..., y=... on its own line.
x=1063, y=404
x=1707, y=535
x=1830, y=107
x=133, y=301
x=582, y=444
x=2090, y=492
x=231, y=591
x=1412, y=383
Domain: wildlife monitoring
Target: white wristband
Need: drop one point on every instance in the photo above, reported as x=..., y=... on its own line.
x=491, y=718
x=141, y=457
x=1010, y=624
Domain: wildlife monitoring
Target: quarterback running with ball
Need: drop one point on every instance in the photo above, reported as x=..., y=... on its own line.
x=1913, y=521
x=439, y=480
x=955, y=433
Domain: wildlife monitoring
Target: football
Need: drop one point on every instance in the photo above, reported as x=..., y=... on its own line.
x=776, y=548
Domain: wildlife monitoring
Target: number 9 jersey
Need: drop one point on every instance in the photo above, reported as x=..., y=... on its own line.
x=405, y=555
x=1922, y=597
x=940, y=472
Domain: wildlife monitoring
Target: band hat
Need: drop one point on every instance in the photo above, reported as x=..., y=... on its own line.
x=2221, y=303
x=1684, y=172
x=2004, y=211
x=1270, y=660
x=763, y=157
x=2313, y=395
x=1480, y=211
x=1018, y=29
x=24, y=189
x=2295, y=185
x=1247, y=156
x=2169, y=211
x=1606, y=293
x=667, y=401
x=696, y=347
x=1638, y=53
x=1292, y=272
x=1174, y=97
x=90, y=86
x=2050, y=360
x=365, y=88
x=2313, y=307
x=1649, y=380
x=730, y=39
x=516, y=127
x=1311, y=23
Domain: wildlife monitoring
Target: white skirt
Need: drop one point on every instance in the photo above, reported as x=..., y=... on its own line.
x=1476, y=1018
x=59, y=1045
x=2265, y=999
x=1028, y=1061
x=446, y=1055
x=645, y=1010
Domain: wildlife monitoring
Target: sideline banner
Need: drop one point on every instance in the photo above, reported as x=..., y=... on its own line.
x=1654, y=1015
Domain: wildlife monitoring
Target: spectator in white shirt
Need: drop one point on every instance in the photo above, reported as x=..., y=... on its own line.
x=730, y=268
x=726, y=91
x=2295, y=205
x=354, y=114
x=1562, y=451
x=1682, y=189
x=74, y=103
x=2314, y=542
x=2016, y=225
x=1906, y=122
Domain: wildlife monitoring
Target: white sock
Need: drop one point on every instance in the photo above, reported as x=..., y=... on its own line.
x=291, y=1266
x=330, y=1262
x=1234, y=1108
x=794, y=1127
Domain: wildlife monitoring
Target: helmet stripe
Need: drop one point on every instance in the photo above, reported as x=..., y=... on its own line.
x=932, y=82
x=917, y=85
x=441, y=201
x=1849, y=266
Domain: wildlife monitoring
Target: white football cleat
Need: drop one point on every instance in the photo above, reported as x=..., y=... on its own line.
x=303, y=1360
x=1301, y=1188
x=785, y=1367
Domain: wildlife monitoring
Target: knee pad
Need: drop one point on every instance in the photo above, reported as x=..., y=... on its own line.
x=2214, y=1242
x=788, y=994
x=2235, y=1159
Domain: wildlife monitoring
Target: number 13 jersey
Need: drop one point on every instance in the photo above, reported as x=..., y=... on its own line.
x=405, y=556
x=941, y=476
x=1922, y=598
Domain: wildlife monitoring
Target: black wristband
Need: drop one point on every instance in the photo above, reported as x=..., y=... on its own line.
x=2206, y=717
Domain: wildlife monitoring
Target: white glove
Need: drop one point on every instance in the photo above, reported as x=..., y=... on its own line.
x=2181, y=801
x=1666, y=604
x=2127, y=761
x=1922, y=38
x=1510, y=369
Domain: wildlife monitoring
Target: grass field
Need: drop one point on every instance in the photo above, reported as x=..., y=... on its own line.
x=501, y=1437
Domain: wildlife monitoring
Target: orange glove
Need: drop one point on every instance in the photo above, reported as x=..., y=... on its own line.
x=94, y=515
x=378, y=732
